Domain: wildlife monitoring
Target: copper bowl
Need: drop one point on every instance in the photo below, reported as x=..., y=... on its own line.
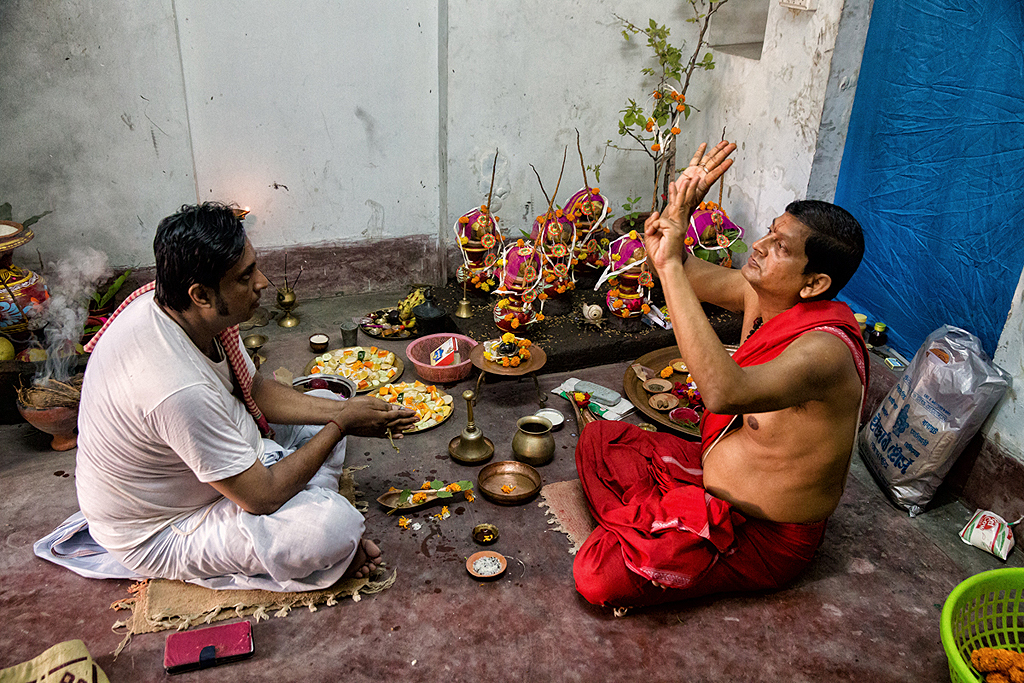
x=523, y=481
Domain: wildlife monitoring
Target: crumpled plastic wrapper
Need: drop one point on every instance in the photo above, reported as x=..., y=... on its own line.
x=990, y=532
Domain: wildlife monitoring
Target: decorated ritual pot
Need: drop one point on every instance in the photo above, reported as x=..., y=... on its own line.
x=23, y=294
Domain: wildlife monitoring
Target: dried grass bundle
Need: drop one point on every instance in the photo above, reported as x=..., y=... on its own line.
x=52, y=394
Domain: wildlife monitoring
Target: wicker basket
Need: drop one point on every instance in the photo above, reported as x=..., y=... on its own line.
x=986, y=610
x=418, y=353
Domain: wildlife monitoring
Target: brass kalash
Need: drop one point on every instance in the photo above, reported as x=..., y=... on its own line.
x=471, y=447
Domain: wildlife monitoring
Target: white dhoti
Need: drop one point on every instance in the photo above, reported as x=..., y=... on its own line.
x=307, y=544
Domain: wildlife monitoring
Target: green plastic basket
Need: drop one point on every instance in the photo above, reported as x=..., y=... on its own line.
x=986, y=610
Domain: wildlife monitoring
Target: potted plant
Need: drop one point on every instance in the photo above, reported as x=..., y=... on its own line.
x=102, y=301
x=655, y=123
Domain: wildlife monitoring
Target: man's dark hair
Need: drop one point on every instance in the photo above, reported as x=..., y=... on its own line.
x=835, y=241
x=196, y=245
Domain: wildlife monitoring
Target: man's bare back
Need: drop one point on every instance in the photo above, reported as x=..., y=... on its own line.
x=790, y=465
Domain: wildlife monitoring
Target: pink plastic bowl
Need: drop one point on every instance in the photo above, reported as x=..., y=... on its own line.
x=418, y=353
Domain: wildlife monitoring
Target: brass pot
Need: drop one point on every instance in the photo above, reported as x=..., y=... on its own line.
x=533, y=443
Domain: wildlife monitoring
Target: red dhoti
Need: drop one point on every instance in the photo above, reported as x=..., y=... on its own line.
x=656, y=522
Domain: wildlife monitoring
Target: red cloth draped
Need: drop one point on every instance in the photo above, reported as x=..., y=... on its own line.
x=656, y=521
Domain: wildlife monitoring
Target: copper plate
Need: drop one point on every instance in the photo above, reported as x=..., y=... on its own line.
x=523, y=477
x=537, y=360
x=635, y=390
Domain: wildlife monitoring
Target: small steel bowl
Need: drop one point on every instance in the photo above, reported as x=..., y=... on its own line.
x=318, y=342
x=524, y=480
x=553, y=416
x=342, y=386
x=485, y=534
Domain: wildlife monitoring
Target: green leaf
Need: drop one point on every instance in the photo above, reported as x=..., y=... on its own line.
x=702, y=254
x=739, y=247
x=5, y=212
x=465, y=485
x=444, y=494
x=35, y=219
x=404, y=496
x=437, y=484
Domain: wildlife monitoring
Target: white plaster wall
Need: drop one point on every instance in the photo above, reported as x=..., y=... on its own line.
x=1005, y=427
x=776, y=123
x=92, y=124
x=322, y=117
x=524, y=75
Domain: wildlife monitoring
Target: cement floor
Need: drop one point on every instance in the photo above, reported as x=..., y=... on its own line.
x=867, y=609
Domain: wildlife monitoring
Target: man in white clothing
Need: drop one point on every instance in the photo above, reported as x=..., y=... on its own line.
x=172, y=473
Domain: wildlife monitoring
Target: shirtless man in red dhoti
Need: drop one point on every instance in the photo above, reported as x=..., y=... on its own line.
x=745, y=509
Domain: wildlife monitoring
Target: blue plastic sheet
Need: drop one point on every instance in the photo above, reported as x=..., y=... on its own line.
x=934, y=167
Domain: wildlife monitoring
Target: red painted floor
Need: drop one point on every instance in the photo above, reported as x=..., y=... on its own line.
x=867, y=609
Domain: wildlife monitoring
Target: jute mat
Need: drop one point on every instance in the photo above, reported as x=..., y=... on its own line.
x=158, y=604
x=568, y=506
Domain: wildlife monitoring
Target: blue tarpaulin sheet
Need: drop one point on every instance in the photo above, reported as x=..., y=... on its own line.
x=934, y=167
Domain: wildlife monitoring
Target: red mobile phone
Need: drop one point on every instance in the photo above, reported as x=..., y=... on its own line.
x=206, y=647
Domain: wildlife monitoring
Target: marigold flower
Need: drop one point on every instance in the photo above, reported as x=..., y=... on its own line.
x=682, y=98
x=616, y=257
x=464, y=219
x=657, y=94
x=514, y=361
x=632, y=234
x=680, y=107
x=655, y=147
x=595, y=190
x=470, y=497
x=403, y=522
x=508, y=488
x=650, y=125
x=426, y=486
x=515, y=323
x=453, y=487
x=418, y=498
x=542, y=296
x=675, y=130
x=509, y=316
x=519, y=242
x=688, y=241
x=645, y=308
x=540, y=316
x=666, y=371
x=483, y=208
x=524, y=343
x=463, y=240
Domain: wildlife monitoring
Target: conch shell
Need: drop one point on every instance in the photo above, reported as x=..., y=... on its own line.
x=592, y=312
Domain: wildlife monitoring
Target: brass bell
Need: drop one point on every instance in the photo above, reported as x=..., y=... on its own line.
x=464, y=309
x=471, y=447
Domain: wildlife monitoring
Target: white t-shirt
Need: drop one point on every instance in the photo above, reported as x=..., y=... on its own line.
x=157, y=420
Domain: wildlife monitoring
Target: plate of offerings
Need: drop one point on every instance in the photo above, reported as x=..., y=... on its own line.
x=666, y=366
x=660, y=374
x=368, y=367
x=387, y=323
x=432, y=405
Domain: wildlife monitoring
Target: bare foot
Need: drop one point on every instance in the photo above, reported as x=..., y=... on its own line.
x=367, y=560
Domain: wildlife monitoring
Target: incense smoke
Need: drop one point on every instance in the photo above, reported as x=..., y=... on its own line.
x=75, y=279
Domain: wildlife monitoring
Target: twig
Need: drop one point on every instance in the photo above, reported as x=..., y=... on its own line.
x=296, y=282
x=286, y=271
x=490, y=192
x=579, y=149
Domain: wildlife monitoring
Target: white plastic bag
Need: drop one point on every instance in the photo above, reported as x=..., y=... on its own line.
x=930, y=414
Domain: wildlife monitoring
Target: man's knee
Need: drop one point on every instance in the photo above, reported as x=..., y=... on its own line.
x=313, y=531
